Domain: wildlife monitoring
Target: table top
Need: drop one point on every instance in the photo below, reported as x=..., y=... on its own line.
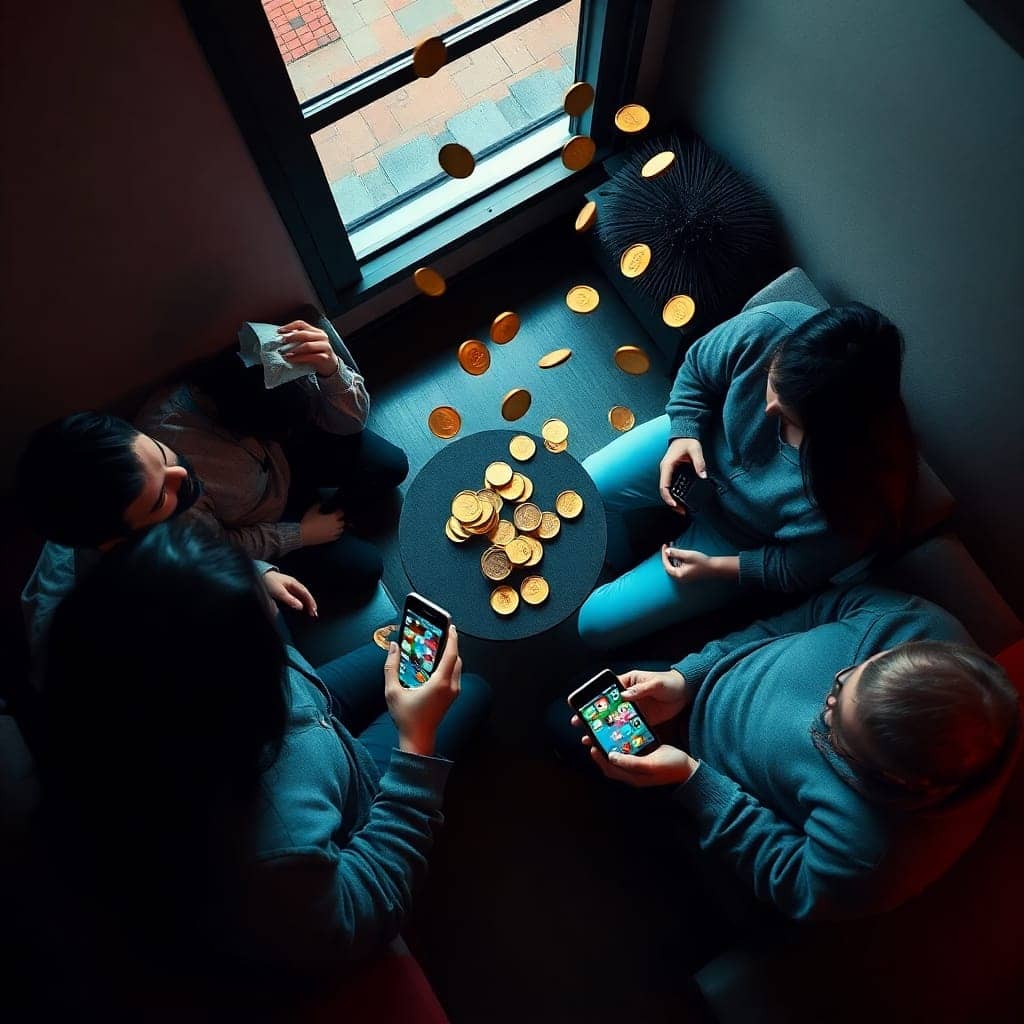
x=449, y=574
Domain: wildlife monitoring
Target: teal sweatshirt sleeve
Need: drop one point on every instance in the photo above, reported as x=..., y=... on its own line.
x=329, y=903
x=52, y=579
x=798, y=566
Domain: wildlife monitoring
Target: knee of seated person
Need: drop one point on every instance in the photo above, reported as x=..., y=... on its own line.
x=597, y=627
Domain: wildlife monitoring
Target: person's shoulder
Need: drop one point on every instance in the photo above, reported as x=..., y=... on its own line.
x=778, y=315
x=905, y=616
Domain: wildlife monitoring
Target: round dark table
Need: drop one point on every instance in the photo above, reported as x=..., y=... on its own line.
x=449, y=574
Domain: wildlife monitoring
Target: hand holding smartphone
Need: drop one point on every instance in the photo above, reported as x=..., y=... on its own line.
x=613, y=723
x=693, y=492
x=421, y=640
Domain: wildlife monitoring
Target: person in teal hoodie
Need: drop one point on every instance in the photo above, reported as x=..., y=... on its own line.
x=795, y=417
x=224, y=800
x=840, y=756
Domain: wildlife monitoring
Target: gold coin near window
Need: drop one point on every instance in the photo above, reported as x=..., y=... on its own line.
x=569, y=504
x=505, y=327
x=587, y=217
x=578, y=99
x=534, y=589
x=382, y=635
x=621, y=418
x=635, y=259
x=678, y=311
x=429, y=57
x=582, y=299
x=578, y=152
x=429, y=281
x=632, y=359
x=555, y=358
x=504, y=600
x=444, y=422
x=522, y=447
x=515, y=404
x=474, y=357
x=632, y=118
x=658, y=165
x=456, y=161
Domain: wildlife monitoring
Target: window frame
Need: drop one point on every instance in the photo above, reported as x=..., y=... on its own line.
x=239, y=45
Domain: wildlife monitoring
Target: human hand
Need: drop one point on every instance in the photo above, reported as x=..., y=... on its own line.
x=660, y=696
x=318, y=527
x=417, y=711
x=663, y=766
x=687, y=565
x=680, y=449
x=309, y=345
x=288, y=592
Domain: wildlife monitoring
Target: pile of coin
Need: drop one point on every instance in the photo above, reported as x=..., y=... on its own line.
x=556, y=435
x=515, y=542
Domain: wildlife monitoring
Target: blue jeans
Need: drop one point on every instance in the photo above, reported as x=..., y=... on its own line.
x=356, y=682
x=645, y=599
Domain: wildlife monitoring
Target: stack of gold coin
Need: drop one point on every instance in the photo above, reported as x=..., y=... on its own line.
x=555, y=434
x=519, y=551
x=472, y=516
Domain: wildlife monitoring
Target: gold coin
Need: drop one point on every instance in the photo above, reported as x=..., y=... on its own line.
x=621, y=418
x=514, y=489
x=582, y=299
x=538, y=552
x=550, y=524
x=449, y=532
x=632, y=359
x=474, y=357
x=635, y=260
x=556, y=449
x=429, y=57
x=465, y=507
x=658, y=165
x=527, y=517
x=534, y=589
x=494, y=564
x=555, y=358
x=505, y=327
x=578, y=99
x=555, y=431
x=457, y=528
x=382, y=636
x=504, y=533
x=491, y=496
x=519, y=551
x=527, y=490
x=504, y=600
x=678, y=310
x=632, y=118
x=483, y=522
x=515, y=404
x=456, y=161
x=569, y=504
x=444, y=422
x=587, y=217
x=578, y=152
x=498, y=474
x=522, y=447
x=429, y=281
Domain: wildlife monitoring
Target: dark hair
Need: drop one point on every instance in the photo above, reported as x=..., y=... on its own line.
x=244, y=405
x=164, y=701
x=939, y=715
x=77, y=476
x=839, y=372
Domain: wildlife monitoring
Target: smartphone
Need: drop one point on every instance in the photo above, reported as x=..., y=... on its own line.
x=693, y=492
x=422, y=639
x=613, y=723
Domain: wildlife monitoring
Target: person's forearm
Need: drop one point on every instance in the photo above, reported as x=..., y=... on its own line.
x=726, y=567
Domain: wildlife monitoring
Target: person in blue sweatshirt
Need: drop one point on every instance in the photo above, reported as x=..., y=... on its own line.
x=840, y=756
x=224, y=800
x=795, y=417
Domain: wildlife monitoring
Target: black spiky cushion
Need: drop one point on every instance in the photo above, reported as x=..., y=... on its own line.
x=709, y=229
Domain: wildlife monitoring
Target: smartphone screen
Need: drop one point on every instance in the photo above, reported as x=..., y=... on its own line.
x=614, y=723
x=420, y=644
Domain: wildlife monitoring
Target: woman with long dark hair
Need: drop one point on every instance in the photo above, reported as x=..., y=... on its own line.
x=795, y=418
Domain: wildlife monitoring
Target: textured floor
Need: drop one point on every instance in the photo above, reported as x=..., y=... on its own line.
x=552, y=896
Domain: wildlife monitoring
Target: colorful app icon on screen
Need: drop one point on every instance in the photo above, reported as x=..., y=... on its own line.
x=601, y=704
x=589, y=712
x=625, y=748
x=638, y=741
x=636, y=723
x=596, y=724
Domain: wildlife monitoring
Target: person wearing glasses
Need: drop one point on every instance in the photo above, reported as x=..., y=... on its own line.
x=840, y=756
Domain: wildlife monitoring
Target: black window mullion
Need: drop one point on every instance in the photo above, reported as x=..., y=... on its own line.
x=398, y=72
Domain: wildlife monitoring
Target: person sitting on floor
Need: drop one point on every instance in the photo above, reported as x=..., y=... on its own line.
x=263, y=454
x=88, y=482
x=225, y=801
x=795, y=418
x=840, y=756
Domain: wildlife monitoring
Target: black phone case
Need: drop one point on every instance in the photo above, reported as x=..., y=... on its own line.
x=691, y=490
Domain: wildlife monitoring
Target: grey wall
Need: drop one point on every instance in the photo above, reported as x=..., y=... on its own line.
x=890, y=133
x=136, y=231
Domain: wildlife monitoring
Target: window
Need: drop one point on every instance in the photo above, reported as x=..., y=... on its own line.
x=347, y=136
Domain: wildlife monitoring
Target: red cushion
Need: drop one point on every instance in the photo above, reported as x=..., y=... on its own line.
x=1012, y=659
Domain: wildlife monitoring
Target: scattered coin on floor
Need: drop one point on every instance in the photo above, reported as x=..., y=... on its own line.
x=582, y=298
x=429, y=282
x=587, y=217
x=658, y=164
x=632, y=118
x=382, y=636
x=444, y=422
x=635, y=259
x=678, y=311
x=474, y=357
x=621, y=418
x=555, y=358
x=505, y=327
x=456, y=161
x=515, y=404
x=632, y=359
x=578, y=152
x=522, y=447
x=429, y=57
x=578, y=99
